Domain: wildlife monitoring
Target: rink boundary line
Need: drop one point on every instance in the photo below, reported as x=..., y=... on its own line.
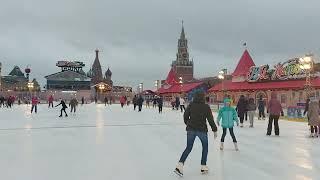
x=86, y=126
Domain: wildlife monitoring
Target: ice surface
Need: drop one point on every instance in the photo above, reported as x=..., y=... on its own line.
x=110, y=143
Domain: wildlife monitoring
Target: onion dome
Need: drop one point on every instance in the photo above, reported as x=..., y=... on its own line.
x=27, y=70
x=108, y=73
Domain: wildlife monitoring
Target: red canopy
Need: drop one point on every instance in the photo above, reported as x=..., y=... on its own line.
x=245, y=63
x=177, y=88
x=275, y=85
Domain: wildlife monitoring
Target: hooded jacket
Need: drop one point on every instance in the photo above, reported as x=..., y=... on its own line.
x=274, y=106
x=227, y=116
x=197, y=114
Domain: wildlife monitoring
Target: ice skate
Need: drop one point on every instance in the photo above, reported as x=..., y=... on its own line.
x=179, y=169
x=236, y=147
x=204, y=169
x=221, y=146
x=259, y=118
x=60, y=116
x=241, y=125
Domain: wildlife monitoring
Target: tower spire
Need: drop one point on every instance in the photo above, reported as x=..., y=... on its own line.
x=182, y=35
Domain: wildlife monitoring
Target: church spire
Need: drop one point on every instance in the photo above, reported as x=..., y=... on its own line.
x=182, y=35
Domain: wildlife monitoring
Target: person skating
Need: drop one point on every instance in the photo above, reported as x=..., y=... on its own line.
x=228, y=115
x=160, y=103
x=313, y=117
x=140, y=103
x=34, y=102
x=148, y=103
x=82, y=101
x=73, y=104
x=251, y=107
x=195, y=117
x=182, y=104
x=241, y=109
x=177, y=103
x=122, y=101
x=261, y=107
x=105, y=101
x=135, y=102
x=50, y=101
x=63, y=109
x=275, y=110
x=154, y=102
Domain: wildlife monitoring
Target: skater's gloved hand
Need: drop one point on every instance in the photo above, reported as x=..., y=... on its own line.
x=215, y=135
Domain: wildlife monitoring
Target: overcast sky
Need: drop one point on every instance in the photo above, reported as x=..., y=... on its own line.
x=138, y=38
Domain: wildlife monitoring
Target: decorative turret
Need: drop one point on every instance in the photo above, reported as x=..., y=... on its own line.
x=108, y=73
x=96, y=70
x=27, y=71
x=16, y=71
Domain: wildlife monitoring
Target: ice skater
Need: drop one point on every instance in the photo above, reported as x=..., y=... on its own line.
x=228, y=115
x=251, y=111
x=50, y=101
x=140, y=103
x=34, y=102
x=135, y=102
x=73, y=104
x=241, y=109
x=160, y=103
x=195, y=117
x=261, y=107
x=275, y=110
x=63, y=109
x=313, y=117
x=182, y=104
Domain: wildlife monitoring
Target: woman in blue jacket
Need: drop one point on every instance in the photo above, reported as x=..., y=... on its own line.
x=227, y=116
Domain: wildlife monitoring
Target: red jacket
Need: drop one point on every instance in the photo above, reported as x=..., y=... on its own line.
x=50, y=99
x=122, y=100
x=274, y=106
x=34, y=101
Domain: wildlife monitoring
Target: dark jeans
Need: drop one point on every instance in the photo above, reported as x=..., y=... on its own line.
x=63, y=110
x=314, y=129
x=224, y=133
x=73, y=108
x=34, y=107
x=246, y=115
x=50, y=104
x=122, y=104
x=273, y=119
x=160, y=109
x=241, y=117
x=182, y=108
x=261, y=113
x=140, y=107
x=191, y=136
x=134, y=106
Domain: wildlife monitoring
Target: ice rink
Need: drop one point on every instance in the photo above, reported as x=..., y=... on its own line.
x=110, y=143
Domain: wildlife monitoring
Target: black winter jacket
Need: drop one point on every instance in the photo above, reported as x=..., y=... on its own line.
x=197, y=114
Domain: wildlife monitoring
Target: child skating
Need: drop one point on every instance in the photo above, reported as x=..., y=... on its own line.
x=195, y=117
x=227, y=116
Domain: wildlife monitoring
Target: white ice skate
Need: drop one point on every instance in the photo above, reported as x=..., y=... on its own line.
x=241, y=124
x=204, y=169
x=179, y=169
x=236, y=147
x=221, y=146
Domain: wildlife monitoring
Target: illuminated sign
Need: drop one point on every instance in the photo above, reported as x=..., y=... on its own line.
x=282, y=71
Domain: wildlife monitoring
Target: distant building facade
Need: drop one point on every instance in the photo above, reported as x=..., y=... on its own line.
x=71, y=77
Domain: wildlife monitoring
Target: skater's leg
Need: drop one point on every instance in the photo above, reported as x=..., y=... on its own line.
x=276, y=125
x=181, y=108
x=270, y=125
x=251, y=116
x=61, y=112
x=204, y=141
x=232, y=135
x=246, y=115
x=32, y=107
x=191, y=136
x=224, y=133
x=36, y=108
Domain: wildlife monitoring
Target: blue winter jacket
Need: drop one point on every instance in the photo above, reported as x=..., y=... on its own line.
x=227, y=116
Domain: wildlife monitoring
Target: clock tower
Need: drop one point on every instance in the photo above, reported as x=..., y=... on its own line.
x=182, y=66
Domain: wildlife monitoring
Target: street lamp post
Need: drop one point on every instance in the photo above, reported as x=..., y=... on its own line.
x=0, y=77
x=101, y=88
x=306, y=63
x=30, y=87
x=140, y=87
